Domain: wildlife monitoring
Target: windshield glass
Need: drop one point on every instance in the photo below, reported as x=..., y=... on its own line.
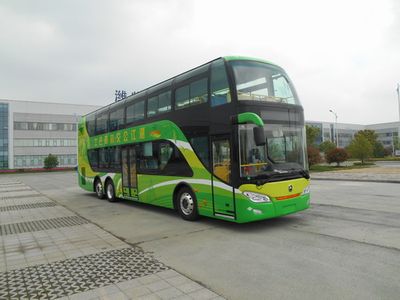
x=284, y=152
x=258, y=81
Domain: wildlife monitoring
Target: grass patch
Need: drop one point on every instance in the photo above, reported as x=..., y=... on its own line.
x=326, y=168
x=388, y=158
x=364, y=164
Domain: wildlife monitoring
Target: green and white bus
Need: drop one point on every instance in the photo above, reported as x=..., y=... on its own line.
x=225, y=140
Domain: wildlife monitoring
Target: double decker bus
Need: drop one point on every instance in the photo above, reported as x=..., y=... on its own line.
x=224, y=140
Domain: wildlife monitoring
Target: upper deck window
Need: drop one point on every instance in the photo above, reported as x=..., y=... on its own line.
x=219, y=86
x=159, y=104
x=191, y=94
x=135, y=112
x=90, y=124
x=102, y=122
x=258, y=81
x=116, y=119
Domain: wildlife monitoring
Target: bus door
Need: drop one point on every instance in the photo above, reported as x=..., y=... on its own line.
x=221, y=165
x=129, y=179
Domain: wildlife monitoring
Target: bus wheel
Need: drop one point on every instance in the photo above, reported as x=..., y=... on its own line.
x=187, y=204
x=99, y=189
x=110, y=191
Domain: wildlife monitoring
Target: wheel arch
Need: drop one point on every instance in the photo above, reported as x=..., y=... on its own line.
x=178, y=187
x=108, y=178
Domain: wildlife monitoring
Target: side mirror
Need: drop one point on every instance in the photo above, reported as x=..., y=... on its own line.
x=259, y=136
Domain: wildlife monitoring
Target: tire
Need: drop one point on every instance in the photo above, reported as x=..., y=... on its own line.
x=98, y=188
x=186, y=204
x=110, y=191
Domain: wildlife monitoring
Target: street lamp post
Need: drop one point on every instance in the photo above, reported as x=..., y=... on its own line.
x=398, y=131
x=335, y=131
x=398, y=97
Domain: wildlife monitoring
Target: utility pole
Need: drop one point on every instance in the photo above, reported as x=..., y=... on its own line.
x=335, y=131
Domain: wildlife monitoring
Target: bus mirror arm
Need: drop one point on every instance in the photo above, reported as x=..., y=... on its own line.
x=259, y=136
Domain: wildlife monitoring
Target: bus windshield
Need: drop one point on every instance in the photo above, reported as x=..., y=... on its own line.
x=258, y=81
x=283, y=154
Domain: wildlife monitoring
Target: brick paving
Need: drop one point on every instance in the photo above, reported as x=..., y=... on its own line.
x=48, y=252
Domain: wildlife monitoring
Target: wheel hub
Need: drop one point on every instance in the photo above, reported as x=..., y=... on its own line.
x=110, y=191
x=186, y=203
x=99, y=189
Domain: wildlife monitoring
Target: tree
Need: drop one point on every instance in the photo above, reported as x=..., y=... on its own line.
x=388, y=151
x=336, y=155
x=314, y=157
x=311, y=134
x=326, y=146
x=360, y=148
x=51, y=161
x=372, y=137
x=379, y=150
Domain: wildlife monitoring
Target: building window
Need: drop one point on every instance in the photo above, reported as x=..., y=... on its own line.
x=3, y=135
x=45, y=143
x=44, y=126
x=37, y=161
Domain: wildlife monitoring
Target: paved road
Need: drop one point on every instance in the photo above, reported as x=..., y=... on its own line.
x=48, y=252
x=347, y=246
x=389, y=164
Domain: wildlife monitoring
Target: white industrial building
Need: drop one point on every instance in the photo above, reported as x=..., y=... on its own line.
x=30, y=131
x=386, y=132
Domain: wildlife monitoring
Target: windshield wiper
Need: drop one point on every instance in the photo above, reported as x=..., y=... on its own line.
x=305, y=173
x=281, y=174
x=302, y=172
x=284, y=174
x=275, y=174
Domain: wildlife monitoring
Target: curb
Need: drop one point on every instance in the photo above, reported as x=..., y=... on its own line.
x=360, y=180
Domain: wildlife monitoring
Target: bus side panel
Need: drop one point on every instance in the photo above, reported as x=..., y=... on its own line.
x=145, y=188
x=159, y=190
x=200, y=183
x=156, y=189
x=85, y=173
x=204, y=199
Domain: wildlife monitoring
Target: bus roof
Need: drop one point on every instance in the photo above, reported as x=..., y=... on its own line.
x=230, y=58
x=144, y=91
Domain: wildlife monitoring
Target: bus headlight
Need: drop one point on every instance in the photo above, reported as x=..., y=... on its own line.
x=258, y=198
x=306, y=190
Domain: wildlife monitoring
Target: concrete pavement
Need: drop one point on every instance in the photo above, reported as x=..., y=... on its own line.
x=346, y=246
x=48, y=252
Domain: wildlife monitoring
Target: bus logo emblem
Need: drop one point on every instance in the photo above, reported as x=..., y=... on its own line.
x=290, y=187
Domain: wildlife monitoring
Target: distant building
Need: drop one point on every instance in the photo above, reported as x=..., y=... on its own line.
x=386, y=132
x=29, y=131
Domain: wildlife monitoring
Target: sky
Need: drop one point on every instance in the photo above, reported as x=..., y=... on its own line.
x=340, y=55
